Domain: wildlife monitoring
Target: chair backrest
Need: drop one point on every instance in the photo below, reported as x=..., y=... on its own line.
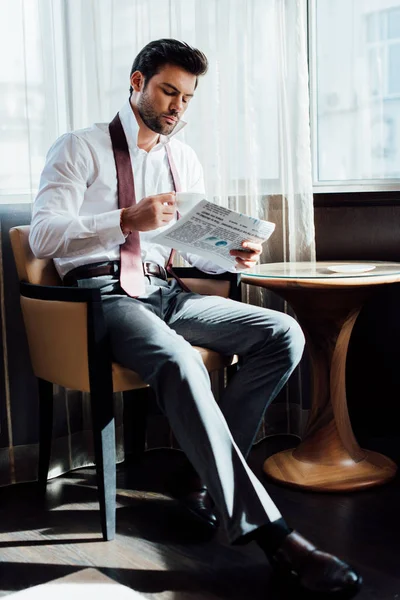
x=31, y=269
x=56, y=330
x=42, y=271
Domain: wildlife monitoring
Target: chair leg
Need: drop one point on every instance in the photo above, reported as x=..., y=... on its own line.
x=135, y=420
x=105, y=457
x=45, y=431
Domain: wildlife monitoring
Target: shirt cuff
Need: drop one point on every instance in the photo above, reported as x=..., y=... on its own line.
x=108, y=229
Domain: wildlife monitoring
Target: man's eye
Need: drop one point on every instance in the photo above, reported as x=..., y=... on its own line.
x=169, y=93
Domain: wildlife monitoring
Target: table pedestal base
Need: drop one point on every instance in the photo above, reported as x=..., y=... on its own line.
x=329, y=457
x=346, y=475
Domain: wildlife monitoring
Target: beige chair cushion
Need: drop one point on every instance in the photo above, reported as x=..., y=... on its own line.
x=124, y=379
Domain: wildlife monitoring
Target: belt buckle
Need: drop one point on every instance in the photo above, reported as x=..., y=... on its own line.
x=151, y=268
x=147, y=268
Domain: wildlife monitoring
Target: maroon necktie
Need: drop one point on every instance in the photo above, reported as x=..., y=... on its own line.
x=131, y=271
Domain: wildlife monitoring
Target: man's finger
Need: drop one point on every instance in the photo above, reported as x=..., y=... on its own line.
x=167, y=199
x=247, y=260
x=243, y=253
x=243, y=264
x=255, y=246
x=167, y=209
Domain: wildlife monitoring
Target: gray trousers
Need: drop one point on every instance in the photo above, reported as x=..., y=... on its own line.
x=153, y=335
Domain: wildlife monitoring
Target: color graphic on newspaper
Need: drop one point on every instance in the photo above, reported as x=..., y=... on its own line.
x=211, y=231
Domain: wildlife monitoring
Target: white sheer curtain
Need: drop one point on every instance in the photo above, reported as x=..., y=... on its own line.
x=69, y=64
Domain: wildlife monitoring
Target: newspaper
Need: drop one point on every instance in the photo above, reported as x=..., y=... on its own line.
x=211, y=231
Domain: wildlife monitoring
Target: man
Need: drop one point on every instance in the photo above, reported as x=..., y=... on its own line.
x=152, y=323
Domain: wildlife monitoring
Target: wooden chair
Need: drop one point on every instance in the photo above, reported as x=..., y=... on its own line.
x=68, y=346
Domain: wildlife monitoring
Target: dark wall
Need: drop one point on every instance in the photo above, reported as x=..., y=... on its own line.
x=367, y=227
x=368, y=231
x=18, y=385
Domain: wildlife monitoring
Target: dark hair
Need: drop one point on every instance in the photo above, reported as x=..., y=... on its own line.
x=157, y=54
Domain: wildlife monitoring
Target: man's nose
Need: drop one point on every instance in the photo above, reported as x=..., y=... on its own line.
x=177, y=104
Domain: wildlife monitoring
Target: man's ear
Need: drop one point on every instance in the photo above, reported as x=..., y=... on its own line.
x=137, y=81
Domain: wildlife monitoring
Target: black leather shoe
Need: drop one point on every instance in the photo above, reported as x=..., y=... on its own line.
x=317, y=573
x=193, y=495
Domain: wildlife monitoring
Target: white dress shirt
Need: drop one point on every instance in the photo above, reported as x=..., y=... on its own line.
x=76, y=219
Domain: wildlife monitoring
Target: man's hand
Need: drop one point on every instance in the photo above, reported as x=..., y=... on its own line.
x=150, y=213
x=249, y=256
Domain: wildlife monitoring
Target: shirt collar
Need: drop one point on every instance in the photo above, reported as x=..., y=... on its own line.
x=131, y=127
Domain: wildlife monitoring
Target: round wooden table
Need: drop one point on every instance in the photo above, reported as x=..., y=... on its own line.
x=327, y=298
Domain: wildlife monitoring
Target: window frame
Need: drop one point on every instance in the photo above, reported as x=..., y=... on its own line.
x=356, y=186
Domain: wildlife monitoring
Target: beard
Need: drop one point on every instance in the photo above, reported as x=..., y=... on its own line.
x=151, y=119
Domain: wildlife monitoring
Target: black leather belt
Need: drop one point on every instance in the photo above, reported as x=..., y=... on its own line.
x=110, y=268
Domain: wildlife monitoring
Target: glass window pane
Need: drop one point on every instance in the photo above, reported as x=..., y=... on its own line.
x=357, y=91
x=393, y=20
x=375, y=23
x=394, y=69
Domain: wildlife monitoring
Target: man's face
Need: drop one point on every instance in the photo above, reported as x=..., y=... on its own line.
x=165, y=98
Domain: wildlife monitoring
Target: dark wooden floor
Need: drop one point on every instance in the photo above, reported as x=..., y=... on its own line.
x=160, y=551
